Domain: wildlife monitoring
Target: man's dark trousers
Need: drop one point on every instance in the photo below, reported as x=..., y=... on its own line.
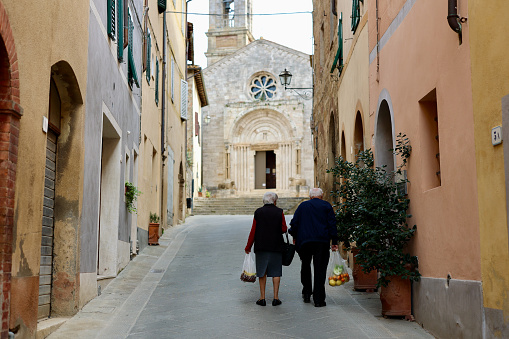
x=319, y=253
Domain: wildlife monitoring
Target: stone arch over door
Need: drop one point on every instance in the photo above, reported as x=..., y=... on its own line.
x=10, y=115
x=384, y=133
x=68, y=192
x=261, y=130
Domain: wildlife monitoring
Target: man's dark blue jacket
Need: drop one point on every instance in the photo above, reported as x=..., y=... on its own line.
x=314, y=220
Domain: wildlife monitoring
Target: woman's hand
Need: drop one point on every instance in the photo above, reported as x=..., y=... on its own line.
x=334, y=248
x=247, y=252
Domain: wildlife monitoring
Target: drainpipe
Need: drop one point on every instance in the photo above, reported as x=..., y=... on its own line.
x=454, y=19
x=163, y=109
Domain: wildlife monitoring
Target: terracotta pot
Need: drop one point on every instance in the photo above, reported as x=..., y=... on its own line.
x=153, y=234
x=397, y=297
x=363, y=281
x=200, y=194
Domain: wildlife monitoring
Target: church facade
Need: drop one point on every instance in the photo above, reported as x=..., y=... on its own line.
x=256, y=134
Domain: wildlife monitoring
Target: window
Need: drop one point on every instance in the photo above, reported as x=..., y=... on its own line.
x=172, y=79
x=132, y=75
x=338, y=60
x=262, y=87
x=161, y=6
x=149, y=56
x=356, y=15
x=111, y=19
x=120, y=31
x=430, y=145
x=228, y=13
x=157, y=81
x=183, y=99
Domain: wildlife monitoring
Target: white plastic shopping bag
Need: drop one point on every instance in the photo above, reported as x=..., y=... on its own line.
x=249, y=269
x=336, y=271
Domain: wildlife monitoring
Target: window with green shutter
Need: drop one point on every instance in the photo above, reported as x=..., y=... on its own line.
x=338, y=60
x=131, y=66
x=161, y=6
x=149, y=56
x=111, y=19
x=120, y=31
x=356, y=15
x=157, y=82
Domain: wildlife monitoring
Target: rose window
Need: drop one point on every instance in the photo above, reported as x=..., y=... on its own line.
x=263, y=87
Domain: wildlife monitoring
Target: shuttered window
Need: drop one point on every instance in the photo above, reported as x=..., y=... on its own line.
x=161, y=6
x=111, y=19
x=149, y=55
x=120, y=31
x=338, y=60
x=183, y=99
x=356, y=15
x=157, y=82
x=131, y=67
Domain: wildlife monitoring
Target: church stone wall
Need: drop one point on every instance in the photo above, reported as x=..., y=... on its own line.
x=228, y=88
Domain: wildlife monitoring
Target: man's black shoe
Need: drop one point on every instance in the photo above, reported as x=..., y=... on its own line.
x=306, y=297
x=261, y=302
x=320, y=304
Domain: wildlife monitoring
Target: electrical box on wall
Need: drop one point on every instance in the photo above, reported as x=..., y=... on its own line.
x=496, y=135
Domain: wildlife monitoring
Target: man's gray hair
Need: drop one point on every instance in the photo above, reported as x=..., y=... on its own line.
x=315, y=193
x=269, y=198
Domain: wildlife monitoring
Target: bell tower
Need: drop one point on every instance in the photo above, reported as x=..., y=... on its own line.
x=230, y=24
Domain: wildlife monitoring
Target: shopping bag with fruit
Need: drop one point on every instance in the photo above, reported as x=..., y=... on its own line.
x=336, y=271
x=249, y=268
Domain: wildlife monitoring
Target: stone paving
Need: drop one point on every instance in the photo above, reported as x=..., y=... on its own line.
x=189, y=287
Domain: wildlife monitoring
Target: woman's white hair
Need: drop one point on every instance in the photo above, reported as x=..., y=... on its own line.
x=269, y=198
x=315, y=193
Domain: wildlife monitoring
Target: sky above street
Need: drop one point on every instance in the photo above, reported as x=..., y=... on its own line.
x=294, y=31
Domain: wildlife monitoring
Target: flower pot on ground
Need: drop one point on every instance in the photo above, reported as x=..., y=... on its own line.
x=396, y=298
x=363, y=281
x=153, y=229
x=372, y=214
x=200, y=193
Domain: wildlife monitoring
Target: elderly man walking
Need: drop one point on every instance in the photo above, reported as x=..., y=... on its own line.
x=314, y=231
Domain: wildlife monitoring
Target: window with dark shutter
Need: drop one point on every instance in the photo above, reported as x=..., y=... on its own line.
x=111, y=19
x=356, y=15
x=338, y=60
x=161, y=6
x=120, y=31
x=149, y=56
x=131, y=67
x=157, y=82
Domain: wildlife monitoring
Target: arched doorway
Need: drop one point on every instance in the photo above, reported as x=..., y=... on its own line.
x=358, y=136
x=65, y=149
x=262, y=151
x=384, y=137
x=10, y=114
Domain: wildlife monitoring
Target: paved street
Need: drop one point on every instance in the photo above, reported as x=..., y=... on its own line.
x=189, y=287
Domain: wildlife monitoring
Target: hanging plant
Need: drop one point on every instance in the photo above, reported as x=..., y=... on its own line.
x=131, y=195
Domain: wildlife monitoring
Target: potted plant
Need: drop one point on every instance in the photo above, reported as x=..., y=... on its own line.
x=207, y=194
x=372, y=213
x=131, y=195
x=200, y=192
x=153, y=229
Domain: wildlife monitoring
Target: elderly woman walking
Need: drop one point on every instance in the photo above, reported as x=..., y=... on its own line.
x=267, y=235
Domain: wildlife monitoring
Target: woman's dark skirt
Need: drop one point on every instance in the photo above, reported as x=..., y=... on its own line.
x=270, y=263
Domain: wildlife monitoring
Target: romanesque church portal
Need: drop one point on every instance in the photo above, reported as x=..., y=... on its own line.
x=256, y=134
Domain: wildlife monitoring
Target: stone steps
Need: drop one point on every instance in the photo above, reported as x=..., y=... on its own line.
x=240, y=205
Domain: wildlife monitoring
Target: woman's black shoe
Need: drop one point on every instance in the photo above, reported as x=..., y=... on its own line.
x=261, y=302
x=276, y=302
x=320, y=304
x=306, y=297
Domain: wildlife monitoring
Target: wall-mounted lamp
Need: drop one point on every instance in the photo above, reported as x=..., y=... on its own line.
x=285, y=77
x=207, y=119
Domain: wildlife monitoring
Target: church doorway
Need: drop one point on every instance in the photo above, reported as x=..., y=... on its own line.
x=265, y=169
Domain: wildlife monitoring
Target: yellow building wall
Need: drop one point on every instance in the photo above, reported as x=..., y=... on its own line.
x=489, y=45
x=45, y=32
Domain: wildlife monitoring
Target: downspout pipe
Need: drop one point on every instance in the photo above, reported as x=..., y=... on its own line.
x=453, y=18
x=163, y=119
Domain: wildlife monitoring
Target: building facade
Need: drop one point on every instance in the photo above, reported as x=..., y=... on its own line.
x=44, y=83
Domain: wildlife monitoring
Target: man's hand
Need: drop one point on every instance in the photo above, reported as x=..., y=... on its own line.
x=334, y=248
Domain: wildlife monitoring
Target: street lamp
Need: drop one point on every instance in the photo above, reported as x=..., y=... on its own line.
x=285, y=77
